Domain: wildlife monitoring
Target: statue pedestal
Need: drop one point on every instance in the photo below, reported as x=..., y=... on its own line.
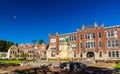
x=65, y=52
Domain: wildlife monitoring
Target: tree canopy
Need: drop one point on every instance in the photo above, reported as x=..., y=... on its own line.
x=5, y=45
x=41, y=41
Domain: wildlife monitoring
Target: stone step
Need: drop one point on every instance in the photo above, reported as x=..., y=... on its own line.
x=89, y=61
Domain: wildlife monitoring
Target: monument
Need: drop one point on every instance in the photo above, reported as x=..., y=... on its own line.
x=66, y=51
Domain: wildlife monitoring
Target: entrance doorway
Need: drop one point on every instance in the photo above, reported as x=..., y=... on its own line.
x=90, y=55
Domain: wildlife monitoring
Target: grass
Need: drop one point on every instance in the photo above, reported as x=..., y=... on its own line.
x=12, y=61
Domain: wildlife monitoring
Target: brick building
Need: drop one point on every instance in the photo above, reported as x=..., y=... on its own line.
x=98, y=42
x=32, y=51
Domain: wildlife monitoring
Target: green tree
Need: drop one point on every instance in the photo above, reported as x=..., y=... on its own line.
x=41, y=41
x=5, y=45
x=8, y=45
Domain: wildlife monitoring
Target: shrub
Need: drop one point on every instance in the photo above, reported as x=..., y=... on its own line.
x=117, y=66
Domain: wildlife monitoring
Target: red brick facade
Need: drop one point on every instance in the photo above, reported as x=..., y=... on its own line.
x=104, y=49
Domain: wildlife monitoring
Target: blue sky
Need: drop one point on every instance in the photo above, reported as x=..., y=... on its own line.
x=22, y=21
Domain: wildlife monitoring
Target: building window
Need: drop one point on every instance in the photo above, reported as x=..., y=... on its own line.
x=74, y=54
x=60, y=39
x=113, y=43
x=72, y=38
x=109, y=54
x=85, y=36
x=116, y=43
x=80, y=37
x=30, y=47
x=93, y=35
x=109, y=43
x=117, y=53
x=113, y=54
x=13, y=52
x=90, y=44
x=52, y=40
x=115, y=33
x=73, y=46
x=81, y=54
x=94, y=44
x=20, y=51
x=80, y=45
x=100, y=54
x=99, y=35
x=109, y=34
x=86, y=44
x=112, y=33
x=53, y=48
x=90, y=36
x=100, y=44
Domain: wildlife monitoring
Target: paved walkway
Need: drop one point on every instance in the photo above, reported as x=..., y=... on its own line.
x=4, y=72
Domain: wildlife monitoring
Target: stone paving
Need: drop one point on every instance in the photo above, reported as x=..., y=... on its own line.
x=28, y=65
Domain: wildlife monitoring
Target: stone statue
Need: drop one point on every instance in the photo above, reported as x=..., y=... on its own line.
x=65, y=39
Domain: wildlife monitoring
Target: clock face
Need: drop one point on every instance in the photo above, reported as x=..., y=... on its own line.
x=36, y=47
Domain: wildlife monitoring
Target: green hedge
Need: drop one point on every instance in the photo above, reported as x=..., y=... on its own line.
x=12, y=61
x=117, y=66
